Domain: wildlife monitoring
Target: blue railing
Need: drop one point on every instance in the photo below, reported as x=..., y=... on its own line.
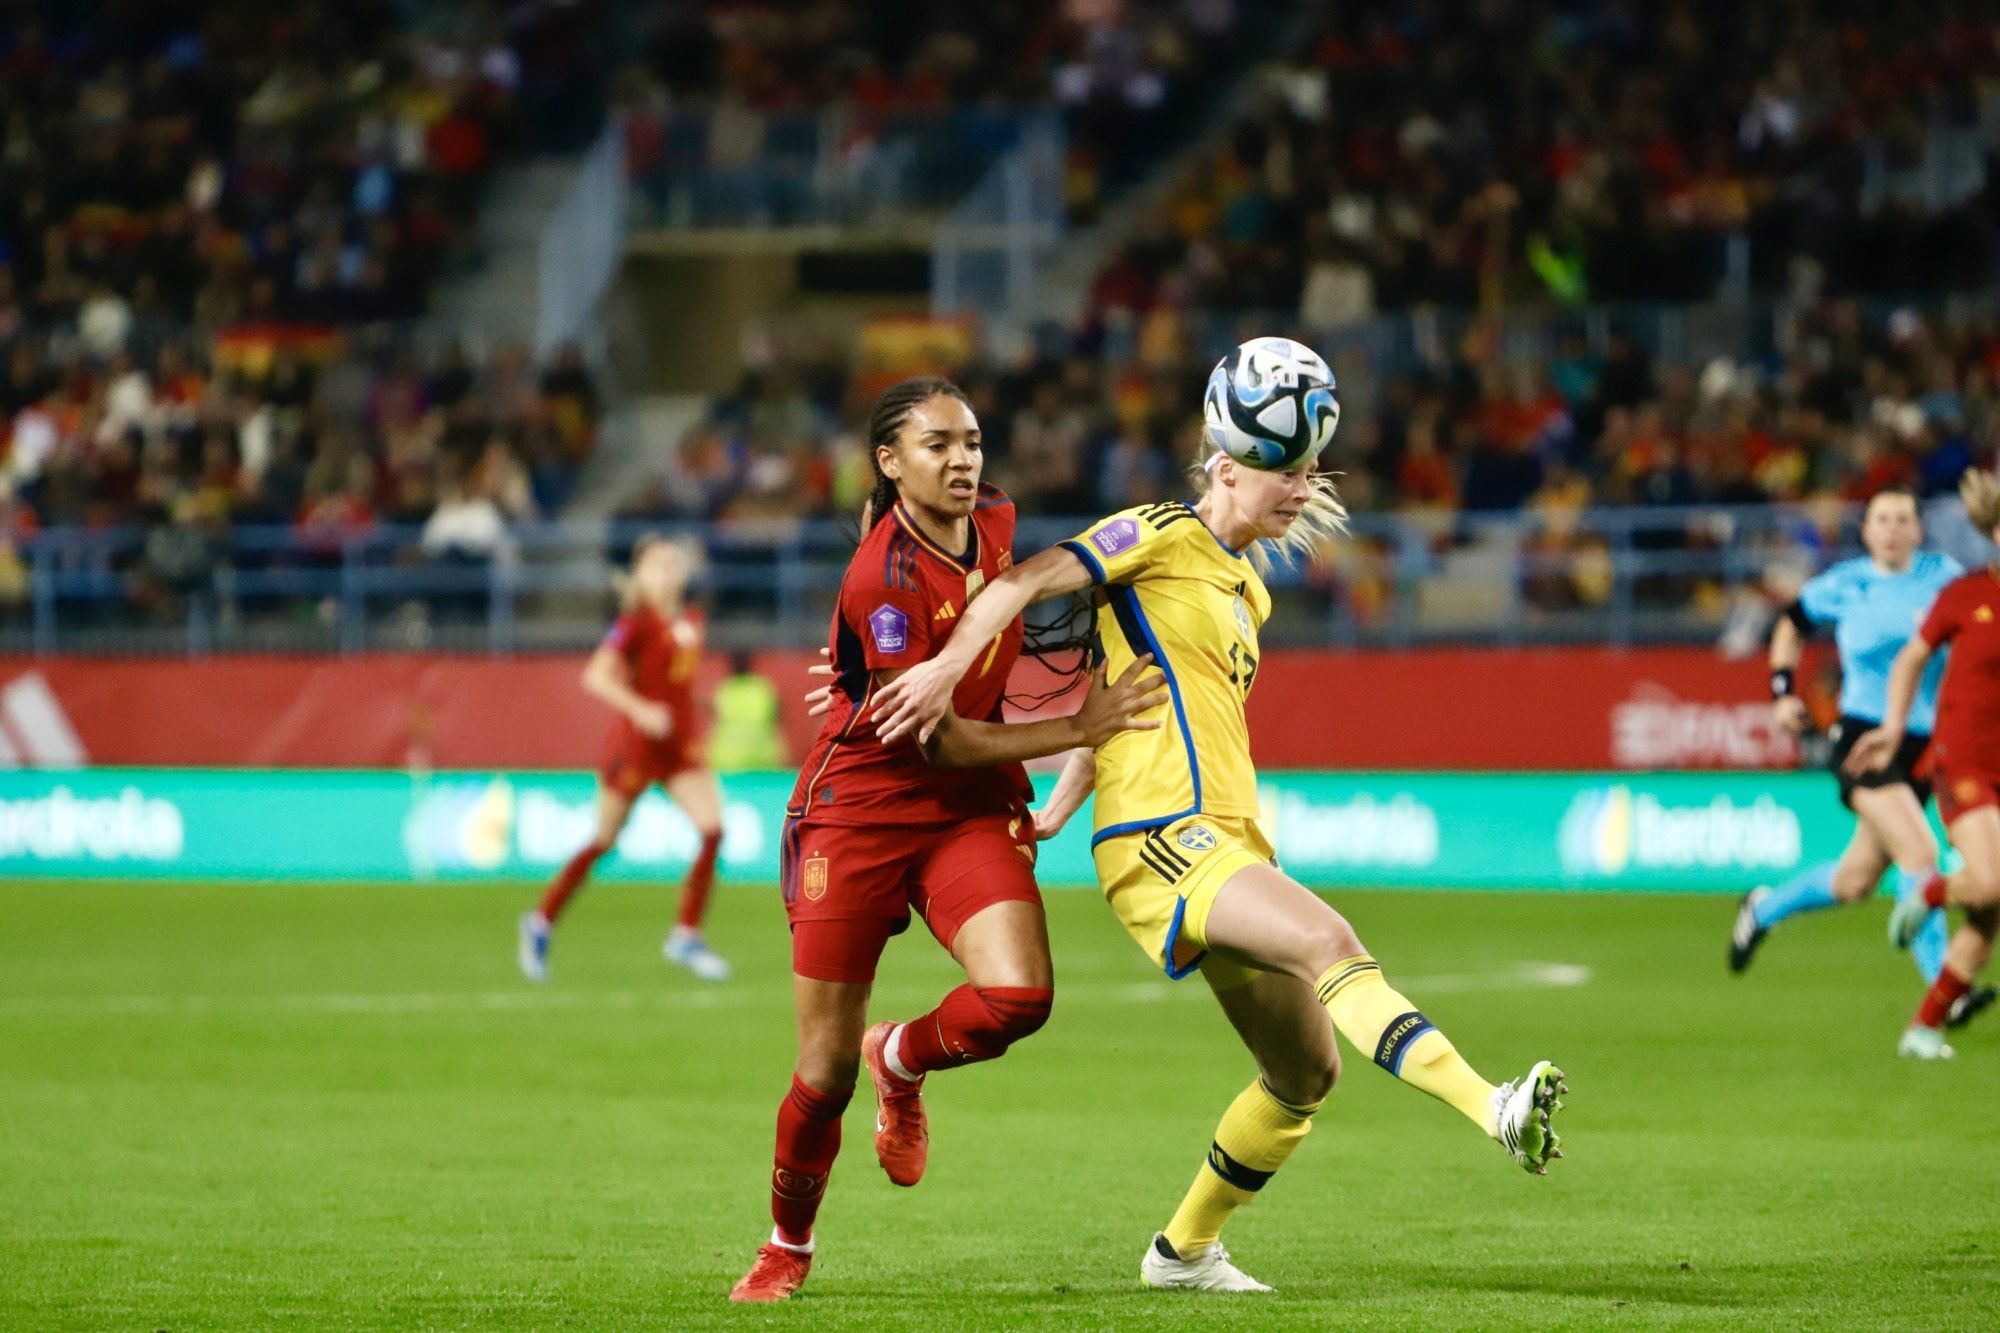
x=1617, y=576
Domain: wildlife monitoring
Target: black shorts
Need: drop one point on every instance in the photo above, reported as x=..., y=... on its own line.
x=1900, y=771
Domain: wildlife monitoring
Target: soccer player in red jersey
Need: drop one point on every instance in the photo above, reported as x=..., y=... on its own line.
x=644, y=670
x=876, y=832
x=1964, y=764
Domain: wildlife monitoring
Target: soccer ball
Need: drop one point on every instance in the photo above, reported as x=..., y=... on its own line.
x=1270, y=404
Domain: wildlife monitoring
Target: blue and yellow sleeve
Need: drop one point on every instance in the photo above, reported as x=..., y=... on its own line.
x=1122, y=548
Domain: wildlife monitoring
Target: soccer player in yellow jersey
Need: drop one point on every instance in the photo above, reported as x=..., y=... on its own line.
x=1179, y=854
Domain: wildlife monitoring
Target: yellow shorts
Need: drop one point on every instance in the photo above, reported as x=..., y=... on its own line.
x=1162, y=882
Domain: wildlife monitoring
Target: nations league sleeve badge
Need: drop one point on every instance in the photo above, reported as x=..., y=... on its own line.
x=891, y=629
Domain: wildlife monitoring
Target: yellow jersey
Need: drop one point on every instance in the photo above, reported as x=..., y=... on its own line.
x=1168, y=586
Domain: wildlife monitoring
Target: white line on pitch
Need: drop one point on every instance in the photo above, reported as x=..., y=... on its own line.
x=1522, y=976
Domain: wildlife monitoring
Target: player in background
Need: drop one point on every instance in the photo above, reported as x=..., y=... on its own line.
x=876, y=831
x=1179, y=852
x=1873, y=604
x=1964, y=767
x=644, y=670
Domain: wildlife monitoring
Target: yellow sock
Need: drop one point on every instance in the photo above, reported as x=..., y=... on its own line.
x=1257, y=1134
x=1382, y=1024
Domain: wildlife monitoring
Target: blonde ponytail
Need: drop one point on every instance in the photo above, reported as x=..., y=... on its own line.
x=1322, y=519
x=1981, y=492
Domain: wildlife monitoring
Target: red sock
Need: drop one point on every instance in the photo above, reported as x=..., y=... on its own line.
x=971, y=1025
x=1938, y=1000
x=568, y=880
x=1934, y=890
x=808, y=1141
x=700, y=879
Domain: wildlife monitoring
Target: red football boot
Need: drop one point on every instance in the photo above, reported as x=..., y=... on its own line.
x=902, y=1141
x=777, y=1273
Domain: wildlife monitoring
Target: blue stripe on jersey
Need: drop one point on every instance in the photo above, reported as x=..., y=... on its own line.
x=1090, y=562
x=1227, y=549
x=1173, y=938
x=1139, y=638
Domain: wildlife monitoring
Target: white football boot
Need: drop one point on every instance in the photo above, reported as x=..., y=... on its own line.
x=1208, y=1271
x=1921, y=1043
x=1522, y=1111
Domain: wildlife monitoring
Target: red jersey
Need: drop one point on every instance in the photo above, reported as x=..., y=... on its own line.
x=899, y=603
x=1966, y=615
x=661, y=656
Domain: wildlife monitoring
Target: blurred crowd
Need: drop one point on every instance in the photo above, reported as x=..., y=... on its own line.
x=324, y=443
x=720, y=88
x=1422, y=153
x=224, y=163
x=1848, y=401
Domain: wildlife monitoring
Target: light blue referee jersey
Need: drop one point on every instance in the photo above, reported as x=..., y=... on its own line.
x=1873, y=615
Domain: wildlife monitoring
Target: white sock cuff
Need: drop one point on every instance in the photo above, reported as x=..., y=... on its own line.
x=784, y=1244
x=892, y=1054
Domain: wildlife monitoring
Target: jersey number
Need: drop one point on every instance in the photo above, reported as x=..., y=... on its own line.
x=1242, y=667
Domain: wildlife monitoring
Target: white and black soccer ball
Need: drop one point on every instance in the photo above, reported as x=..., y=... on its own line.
x=1271, y=404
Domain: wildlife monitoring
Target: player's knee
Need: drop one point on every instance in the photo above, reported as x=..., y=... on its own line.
x=1327, y=941
x=1849, y=887
x=1980, y=885
x=1307, y=1081
x=1011, y=1013
x=831, y=1073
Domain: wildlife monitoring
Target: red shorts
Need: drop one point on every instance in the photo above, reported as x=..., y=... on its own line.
x=1961, y=789
x=633, y=762
x=848, y=888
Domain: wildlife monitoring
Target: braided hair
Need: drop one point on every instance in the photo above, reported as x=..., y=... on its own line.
x=885, y=422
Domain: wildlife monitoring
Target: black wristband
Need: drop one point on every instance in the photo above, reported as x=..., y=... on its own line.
x=1781, y=683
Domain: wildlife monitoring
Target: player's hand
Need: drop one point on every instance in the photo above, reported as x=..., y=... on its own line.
x=1110, y=709
x=1791, y=715
x=915, y=702
x=654, y=720
x=1048, y=822
x=820, y=701
x=1873, y=751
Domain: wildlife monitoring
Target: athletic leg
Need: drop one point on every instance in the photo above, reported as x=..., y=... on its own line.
x=1897, y=820
x=1850, y=878
x=1286, y=1031
x=834, y=968
x=977, y=893
x=1976, y=886
x=614, y=806
x=1265, y=918
x=695, y=791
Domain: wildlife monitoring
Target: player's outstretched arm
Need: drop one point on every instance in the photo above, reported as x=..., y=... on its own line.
x=1079, y=776
x=1877, y=745
x=1787, y=646
x=604, y=677
x=1107, y=710
x=916, y=701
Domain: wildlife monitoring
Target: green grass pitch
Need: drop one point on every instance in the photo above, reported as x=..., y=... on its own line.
x=341, y=1108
